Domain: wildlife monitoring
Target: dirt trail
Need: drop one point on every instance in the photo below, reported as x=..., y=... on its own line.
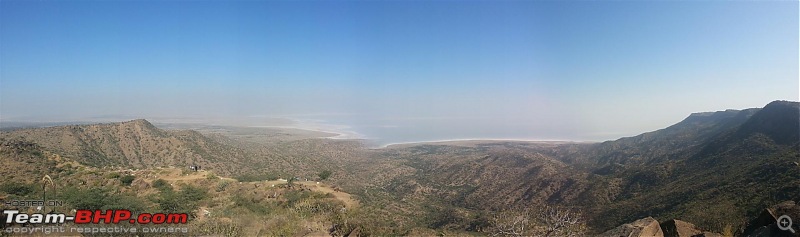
x=177, y=175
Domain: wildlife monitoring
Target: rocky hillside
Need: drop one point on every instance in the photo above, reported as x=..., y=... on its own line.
x=493, y=175
x=713, y=169
x=133, y=144
x=25, y=161
x=765, y=224
x=726, y=172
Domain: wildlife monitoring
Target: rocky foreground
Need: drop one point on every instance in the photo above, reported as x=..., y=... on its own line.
x=766, y=224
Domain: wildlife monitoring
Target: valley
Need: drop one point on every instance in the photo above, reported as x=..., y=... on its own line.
x=717, y=170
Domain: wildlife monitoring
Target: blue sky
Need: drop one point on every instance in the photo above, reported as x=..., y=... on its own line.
x=605, y=68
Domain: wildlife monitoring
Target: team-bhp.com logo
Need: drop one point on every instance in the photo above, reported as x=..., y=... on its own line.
x=95, y=217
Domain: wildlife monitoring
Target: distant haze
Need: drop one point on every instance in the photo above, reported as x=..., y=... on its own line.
x=411, y=70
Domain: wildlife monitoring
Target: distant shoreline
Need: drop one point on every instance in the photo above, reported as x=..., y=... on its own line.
x=347, y=135
x=340, y=132
x=329, y=131
x=339, y=135
x=474, y=141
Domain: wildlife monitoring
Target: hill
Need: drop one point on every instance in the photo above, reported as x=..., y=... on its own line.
x=715, y=169
x=133, y=144
x=730, y=167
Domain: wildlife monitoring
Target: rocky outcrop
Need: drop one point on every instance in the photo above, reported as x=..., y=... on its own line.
x=639, y=228
x=708, y=234
x=679, y=228
x=766, y=224
x=651, y=228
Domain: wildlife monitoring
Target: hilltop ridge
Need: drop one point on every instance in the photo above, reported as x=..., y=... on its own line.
x=134, y=144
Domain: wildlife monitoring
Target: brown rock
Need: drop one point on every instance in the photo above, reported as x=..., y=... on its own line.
x=764, y=219
x=640, y=228
x=679, y=228
x=709, y=234
x=766, y=223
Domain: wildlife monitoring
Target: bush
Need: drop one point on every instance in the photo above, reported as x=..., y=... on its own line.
x=324, y=174
x=192, y=193
x=222, y=185
x=129, y=202
x=184, y=201
x=216, y=228
x=254, y=207
x=93, y=198
x=211, y=176
x=127, y=179
x=295, y=196
x=18, y=189
x=169, y=202
x=161, y=185
x=282, y=225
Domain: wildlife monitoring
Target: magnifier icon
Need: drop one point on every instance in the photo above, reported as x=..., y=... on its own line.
x=785, y=223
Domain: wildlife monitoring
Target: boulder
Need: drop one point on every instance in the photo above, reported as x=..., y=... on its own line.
x=764, y=219
x=679, y=228
x=709, y=234
x=640, y=228
x=766, y=223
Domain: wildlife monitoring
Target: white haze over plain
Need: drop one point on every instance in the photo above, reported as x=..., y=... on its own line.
x=401, y=120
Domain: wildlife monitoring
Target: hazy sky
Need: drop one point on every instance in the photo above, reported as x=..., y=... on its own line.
x=600, y=69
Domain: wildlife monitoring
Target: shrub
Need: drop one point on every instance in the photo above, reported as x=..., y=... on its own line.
x=92, y=199
x=282, y=225
x=18, y=189
x=127, y=179
x=161, y=185
x=222, y=185
x=295, y=196
x=254, y=207
x=324, y=174
x=217, y=228
x=211, y=176
x=192, y=193
x=129, y=202
x=184, y=201
x=728, y=231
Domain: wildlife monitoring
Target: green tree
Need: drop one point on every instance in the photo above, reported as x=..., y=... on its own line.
x=127, y=179
x=324, y=174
